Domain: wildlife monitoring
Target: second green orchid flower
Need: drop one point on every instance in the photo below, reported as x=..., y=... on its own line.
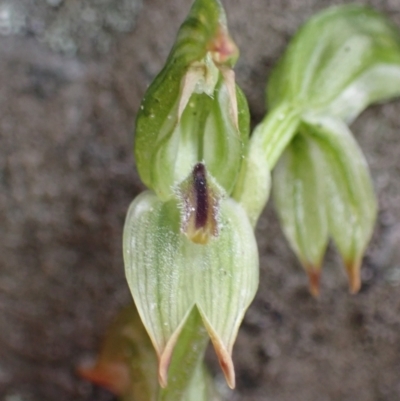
x=341, y=61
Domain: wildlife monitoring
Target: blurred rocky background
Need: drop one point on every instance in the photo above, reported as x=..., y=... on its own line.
x=72, y=73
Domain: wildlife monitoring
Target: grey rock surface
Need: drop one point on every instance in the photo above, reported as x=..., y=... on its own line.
x=72, y=74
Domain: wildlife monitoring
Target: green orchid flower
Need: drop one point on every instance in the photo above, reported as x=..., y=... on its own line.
x=340, y=61
x=189, y=247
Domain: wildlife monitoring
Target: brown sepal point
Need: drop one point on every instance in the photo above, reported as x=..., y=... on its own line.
x=353, y=269
x=314, y=278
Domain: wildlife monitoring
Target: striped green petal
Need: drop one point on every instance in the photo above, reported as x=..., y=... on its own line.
x=299, y=199
x=168, y=275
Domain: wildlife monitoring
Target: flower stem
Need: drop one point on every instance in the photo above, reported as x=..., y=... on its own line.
x=274, y=133
x=267, y=143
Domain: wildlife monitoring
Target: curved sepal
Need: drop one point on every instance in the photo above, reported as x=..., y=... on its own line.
x=168, y=274
x=339, y=62
x=298, y=189
x=349, y=196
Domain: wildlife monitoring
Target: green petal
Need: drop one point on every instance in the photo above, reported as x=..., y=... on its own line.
x=339, y=55
x=298, y=188
x=168, y=274
x=349, y=196
x=377, y=84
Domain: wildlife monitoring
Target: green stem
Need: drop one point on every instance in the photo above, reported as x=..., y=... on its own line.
x=267, y=143
x=275, y=132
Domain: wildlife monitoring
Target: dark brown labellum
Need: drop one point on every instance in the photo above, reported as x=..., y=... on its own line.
x=200, y=206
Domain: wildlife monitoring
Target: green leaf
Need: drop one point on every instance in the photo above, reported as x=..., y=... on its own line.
x=193, y=111
x=339, y=62
x=168, y=275
x=298, y=188
x=349, y=196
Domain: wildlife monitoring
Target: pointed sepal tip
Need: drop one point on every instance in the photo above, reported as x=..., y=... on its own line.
x=353, y=269
x=314, y=280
